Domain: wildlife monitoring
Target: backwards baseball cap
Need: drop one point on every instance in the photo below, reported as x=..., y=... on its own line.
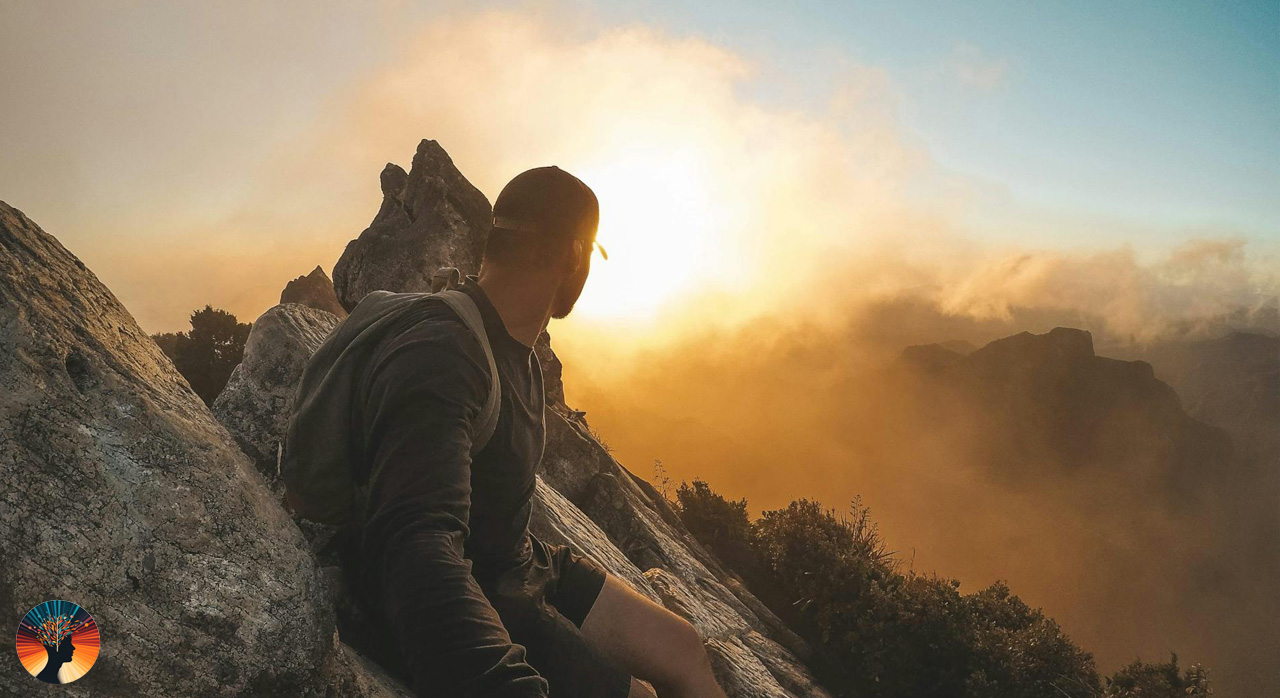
x=548, y=201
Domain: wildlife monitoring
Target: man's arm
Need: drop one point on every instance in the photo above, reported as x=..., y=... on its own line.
x=424, y=392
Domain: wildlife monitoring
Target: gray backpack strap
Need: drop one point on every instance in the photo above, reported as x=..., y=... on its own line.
x=470, y=314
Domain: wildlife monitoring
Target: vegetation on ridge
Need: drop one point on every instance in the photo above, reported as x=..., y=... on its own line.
x=878, y=630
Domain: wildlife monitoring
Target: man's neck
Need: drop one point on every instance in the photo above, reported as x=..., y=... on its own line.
x=523, y=303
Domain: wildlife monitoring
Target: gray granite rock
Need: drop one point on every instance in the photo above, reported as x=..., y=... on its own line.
x=430, y=217
x=556, y=520
x=123, y=494
x=255, y=404
x=687, y=579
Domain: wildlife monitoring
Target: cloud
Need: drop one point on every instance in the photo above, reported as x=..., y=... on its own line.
x=705, y=194
x=1198, y=283
x=718, y=208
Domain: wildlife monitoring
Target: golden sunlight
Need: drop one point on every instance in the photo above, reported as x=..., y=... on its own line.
x=659, y=226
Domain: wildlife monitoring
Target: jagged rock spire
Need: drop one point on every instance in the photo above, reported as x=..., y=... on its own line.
x=430, y=217
x=314, y=290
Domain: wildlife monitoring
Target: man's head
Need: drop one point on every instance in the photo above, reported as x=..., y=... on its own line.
x=544, y=226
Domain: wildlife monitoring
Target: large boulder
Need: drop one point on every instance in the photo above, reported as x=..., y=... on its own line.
x=123, y=494
x=314, y=290
x=254, y=406
x=430, y=217
x=433, y=217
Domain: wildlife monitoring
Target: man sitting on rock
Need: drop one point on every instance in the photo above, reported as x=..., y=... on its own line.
x=471, y=603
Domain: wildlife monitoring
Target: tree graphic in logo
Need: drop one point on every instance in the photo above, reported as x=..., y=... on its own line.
x=58, y=642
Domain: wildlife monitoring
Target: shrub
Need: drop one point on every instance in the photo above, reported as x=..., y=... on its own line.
x=879, y=631
x=720, y=524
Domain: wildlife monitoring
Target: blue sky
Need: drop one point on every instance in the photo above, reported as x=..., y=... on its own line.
x=1165, y=112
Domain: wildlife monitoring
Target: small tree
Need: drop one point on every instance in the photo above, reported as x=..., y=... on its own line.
x=207, y=354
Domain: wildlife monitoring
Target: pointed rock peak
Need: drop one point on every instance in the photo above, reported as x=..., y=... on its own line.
x=314, y=290
x=393, y=179
x=431, y=217
x=431, y=162
x=430, y=148
x=432, y=153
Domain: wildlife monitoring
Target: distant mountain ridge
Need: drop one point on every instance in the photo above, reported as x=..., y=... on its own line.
x=1064, y=408
x=1170, y=464
x=1231, y=381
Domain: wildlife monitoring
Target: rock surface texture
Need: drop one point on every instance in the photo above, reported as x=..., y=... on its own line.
x=314, y=290
x=255, y=404
x=430, y=217
x=123, y=494
x=433, y=217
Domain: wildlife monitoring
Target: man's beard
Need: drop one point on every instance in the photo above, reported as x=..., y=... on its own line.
x=565, y=299
x=561, y=310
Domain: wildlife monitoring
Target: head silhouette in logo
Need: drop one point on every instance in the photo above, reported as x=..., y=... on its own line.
x=59, y=653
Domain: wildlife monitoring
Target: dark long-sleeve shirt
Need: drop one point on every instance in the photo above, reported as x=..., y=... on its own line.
x=439, y=524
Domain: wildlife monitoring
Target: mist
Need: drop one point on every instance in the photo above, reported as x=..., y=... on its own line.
x=1134, y=558
x=769, y=261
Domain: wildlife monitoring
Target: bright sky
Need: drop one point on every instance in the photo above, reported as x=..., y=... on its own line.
x=1162, y=111
x=199, y=152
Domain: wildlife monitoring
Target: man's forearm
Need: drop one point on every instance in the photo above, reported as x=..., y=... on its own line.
x=449, y=634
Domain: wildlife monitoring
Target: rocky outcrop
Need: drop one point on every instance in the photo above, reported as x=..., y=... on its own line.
x=123, y=494
x=430, y=217
x=254, y=406
x=1048, y=402
x=314, y=290
x=639, y=521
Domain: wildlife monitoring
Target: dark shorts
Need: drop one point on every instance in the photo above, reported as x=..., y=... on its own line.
x=543, y=605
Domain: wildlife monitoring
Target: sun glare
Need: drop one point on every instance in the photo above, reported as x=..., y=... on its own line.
x=658, y=226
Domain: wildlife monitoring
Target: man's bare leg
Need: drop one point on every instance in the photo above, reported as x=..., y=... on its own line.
x=650, y=643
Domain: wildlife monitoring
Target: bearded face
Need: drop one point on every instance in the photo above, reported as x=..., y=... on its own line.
x=571, y=286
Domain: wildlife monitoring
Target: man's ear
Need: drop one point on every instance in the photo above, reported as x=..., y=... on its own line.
x=578, y=258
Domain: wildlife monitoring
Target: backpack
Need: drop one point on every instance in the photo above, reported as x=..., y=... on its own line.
x=323, y=438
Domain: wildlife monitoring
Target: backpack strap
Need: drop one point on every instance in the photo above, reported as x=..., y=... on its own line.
x=466, y=309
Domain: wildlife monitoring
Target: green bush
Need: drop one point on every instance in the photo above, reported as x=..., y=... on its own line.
x=720, y=524
x=880, y=631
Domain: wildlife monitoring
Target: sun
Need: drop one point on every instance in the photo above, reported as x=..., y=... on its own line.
x=658, y=225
